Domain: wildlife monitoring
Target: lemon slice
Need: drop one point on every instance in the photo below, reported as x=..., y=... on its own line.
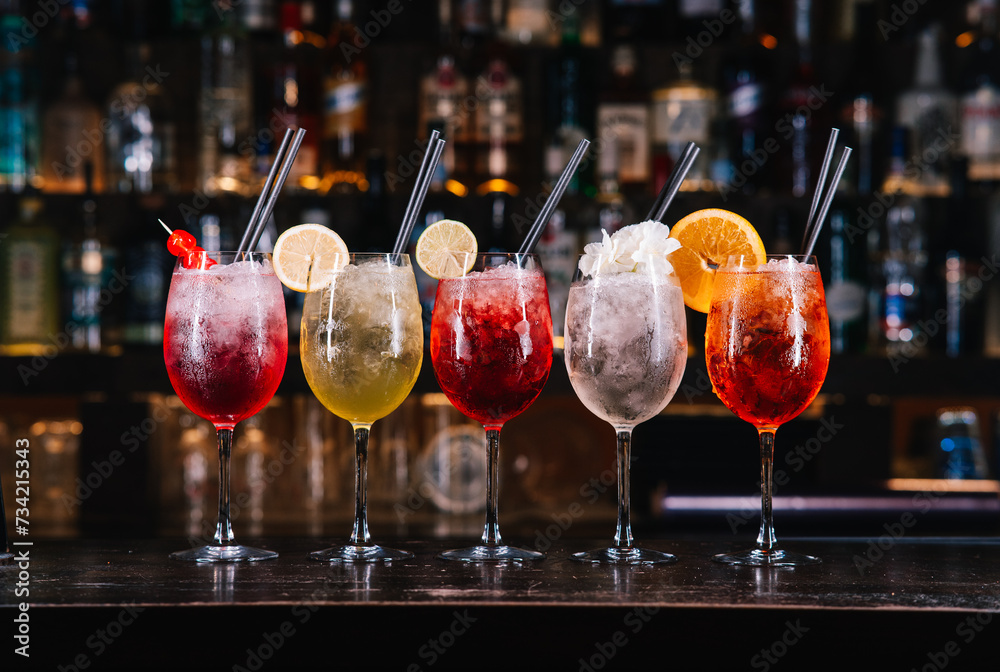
x=708, y=238
x=446, y=249
x=306, y=255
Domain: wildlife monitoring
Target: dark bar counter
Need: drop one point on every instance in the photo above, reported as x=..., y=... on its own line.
x=893, y=604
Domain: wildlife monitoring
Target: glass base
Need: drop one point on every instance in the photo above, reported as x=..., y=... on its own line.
x=229, y=553
x=758, y=558
x=624, y=556
x=492, y=554
x=351, y=553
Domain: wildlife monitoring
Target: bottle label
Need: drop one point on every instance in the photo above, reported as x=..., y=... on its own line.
x=744, y=101
x=499, y=112
x=981, y=126
x=683, y=119
x=441, y=106
x=26, y=292
x=624, y=129
x=845, y=301
x=345, y=107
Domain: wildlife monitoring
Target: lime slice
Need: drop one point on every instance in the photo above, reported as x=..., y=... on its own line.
x=306, y=255
x=446, y=249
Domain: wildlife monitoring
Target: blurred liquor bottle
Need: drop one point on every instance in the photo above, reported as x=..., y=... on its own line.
x=71, y=130
x=142, y=136
x=980, y=99
x=345, y=105
x=861, y=110
x=527, y=22
x=225, y=108
x=29, y=282
x=574, y=119
x=800, y=112
x=291, y=91
x=19, y=88
x=929, y=112
x=898, y=257
x=88, y=264
x=746, y=73
x=150, y=266
x=623, y=124
x=683, y=111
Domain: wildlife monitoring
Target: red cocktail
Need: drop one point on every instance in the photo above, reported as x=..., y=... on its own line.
x=225, y=345
x=767, y=347
x=491, y=347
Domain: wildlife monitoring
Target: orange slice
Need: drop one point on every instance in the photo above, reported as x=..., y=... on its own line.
x=708, y=238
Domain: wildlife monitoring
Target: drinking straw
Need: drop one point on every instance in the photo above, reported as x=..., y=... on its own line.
x=272, y=197
x=823, y=169
x=397, y=248
x=673, y=183
x=553, y=200
x=421, y=191
x=252, y=224
x=827, y=200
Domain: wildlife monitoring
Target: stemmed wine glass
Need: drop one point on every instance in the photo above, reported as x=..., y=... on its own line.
x=767, y=345
x=225, y=344
x=491, y=347
x=625, y=352
x=362, y=344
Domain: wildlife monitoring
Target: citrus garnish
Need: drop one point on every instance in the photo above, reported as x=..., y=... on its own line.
x=708, y=238
x=446, y=249
x=305, y=255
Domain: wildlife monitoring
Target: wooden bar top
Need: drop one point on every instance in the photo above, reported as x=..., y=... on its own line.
x=124, y=604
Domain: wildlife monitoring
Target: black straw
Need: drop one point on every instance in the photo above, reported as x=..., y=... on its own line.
x=417, y=197
x=827, y=200
x=817, y=193
x=265, y=190
x=272, y=198
x=401, y=239
x=535, y=233
x=673, y=183
x=681, y=173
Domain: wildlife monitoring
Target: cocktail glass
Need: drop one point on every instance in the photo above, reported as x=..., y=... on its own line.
x=625, y=352
x=361, y=344
x=225, y=344
x=767, y=346
x=491, y=347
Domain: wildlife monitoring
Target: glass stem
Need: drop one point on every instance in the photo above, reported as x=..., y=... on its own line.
x=491, y=532
x=766, y=540
x=224, y=529
x=623, y=536
x=360, y=536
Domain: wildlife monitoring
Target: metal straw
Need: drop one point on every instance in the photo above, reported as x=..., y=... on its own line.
x=535, y=233
x=417, y=197
x=272, y=198
x=265, y=190
x=428, y=151
x=827, y=200
x=823, y=169
x=673, y=183
x=681, y=171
